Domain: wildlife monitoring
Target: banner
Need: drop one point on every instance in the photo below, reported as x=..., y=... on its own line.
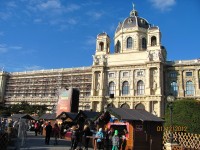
x=64, y=101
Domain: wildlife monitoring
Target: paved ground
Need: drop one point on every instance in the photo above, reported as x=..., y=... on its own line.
x=33, y=142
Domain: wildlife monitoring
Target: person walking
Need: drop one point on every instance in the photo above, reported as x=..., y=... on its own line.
x=56, y=131
x=86, y=139
x=99, y=139
x=75, y=137
x=36, y=128
x=48, y=133
x=115, y=141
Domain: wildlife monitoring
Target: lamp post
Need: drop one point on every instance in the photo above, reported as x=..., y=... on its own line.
x=170, y=100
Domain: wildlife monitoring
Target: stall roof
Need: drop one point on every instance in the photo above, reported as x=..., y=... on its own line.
x=91, y=115
x=68, y=115
x=48, y=116
x=24, y=116
x=133, y=114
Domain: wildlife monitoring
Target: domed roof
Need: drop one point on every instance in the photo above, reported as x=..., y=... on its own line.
x=102, y=34
x=133, y=21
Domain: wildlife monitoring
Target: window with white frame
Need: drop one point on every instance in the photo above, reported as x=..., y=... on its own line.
x=189, y=88
x=111, y=88
x=125, y=88
x=174, y=88
x=129, y=42
x=140, y=88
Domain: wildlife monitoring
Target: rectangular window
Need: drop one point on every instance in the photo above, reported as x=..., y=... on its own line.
x=173, y=74
x=111, y=75
x=140, y=73
x=125, y=74
x=188, y=74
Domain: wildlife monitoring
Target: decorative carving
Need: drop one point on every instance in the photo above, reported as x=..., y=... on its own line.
x=154, y=85
x=95, y=60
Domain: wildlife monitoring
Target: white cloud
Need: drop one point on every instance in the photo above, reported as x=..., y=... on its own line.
x=5, y=15
x=3, y=48
x=37, y=20
x=72, y=7
x=15, y=47
x=163, y=5
x=72, y=21
x=50, y=4
x=11, y=4
x=95, y=15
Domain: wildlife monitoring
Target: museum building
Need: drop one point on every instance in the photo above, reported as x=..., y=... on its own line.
x=137, y=75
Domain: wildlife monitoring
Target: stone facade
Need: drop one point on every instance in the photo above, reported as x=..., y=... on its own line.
x=137, y=75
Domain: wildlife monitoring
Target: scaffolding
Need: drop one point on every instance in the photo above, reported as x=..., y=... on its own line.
x=40, y=87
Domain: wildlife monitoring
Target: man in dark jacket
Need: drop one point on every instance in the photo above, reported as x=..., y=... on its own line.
x=48, y=133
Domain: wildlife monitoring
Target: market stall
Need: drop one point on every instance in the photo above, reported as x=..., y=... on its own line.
x=139, y=128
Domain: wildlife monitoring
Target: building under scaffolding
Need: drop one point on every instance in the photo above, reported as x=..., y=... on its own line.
x=40, y=87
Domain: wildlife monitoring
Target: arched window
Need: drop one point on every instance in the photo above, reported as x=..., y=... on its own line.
x=101, y=46
x=144, y=43
x=153, y=41
x=189, y=88
x=129, y=42
x=111, y=88
x=174, y=88
x=140, y=106
x=118, y=47
x=140, y=88
x=125, y=105
x=125, y=88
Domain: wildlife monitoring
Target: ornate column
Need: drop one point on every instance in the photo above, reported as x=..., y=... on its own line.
x=132, y=83
x=181, y=84
x=118, y=83
x=138, y=42
x=158, y=81
x=93, y=84
x=147, y=83
x=197, y=90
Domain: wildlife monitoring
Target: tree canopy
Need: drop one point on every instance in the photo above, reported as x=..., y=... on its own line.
x=186, y=113
x=24, y=108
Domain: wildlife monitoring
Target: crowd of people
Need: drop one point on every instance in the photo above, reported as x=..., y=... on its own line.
x=81, y=136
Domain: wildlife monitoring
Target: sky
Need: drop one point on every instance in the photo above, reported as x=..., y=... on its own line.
x=54, y=34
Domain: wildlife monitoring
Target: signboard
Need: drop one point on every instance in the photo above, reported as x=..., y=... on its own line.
x=68, y=101
x=64, y=101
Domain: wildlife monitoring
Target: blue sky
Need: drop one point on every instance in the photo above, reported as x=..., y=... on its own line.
x=52, y=34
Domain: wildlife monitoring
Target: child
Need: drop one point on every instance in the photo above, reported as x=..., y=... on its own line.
x=115, y=141
x=99, y=138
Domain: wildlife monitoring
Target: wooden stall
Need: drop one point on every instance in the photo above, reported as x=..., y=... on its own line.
x=67, y=120
x=141, y=126
x=86, y=117
x=47, y=118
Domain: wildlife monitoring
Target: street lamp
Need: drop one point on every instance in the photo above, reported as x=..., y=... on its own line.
x=170, y=100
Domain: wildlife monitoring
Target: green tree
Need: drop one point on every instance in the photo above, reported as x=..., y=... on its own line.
x=185, y=114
